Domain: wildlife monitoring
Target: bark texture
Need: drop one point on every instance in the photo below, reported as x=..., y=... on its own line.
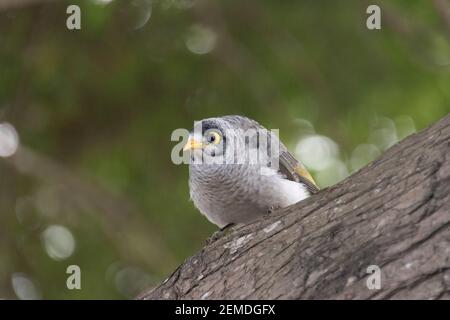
x=393, y=213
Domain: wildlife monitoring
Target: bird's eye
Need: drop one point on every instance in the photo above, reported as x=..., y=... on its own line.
x=213, y=137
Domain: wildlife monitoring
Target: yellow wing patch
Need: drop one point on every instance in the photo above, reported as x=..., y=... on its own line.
x=302, y=172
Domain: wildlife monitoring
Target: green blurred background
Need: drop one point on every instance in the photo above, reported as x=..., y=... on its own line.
x=92, y=182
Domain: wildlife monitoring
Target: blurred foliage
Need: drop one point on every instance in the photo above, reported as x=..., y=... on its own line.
x=94, y=110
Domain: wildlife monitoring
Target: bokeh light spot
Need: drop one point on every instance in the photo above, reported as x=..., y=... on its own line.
x=316, y=152
x=24, y=287
x=102, y=2
x=58, y=242
x=130, y=281
x=383, y=133
x=362, y=155
x=405, y=126
x=335, y=171
x=305, y=127
x=201, y=39
x=9, y=140
x=142, y=11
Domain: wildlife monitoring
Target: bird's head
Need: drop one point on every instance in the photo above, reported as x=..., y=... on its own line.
x=206, y=142
x=219, y=140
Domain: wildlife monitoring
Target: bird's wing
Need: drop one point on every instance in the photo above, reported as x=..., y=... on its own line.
x=295, y=171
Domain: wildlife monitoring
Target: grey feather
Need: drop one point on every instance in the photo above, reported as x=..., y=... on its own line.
x=240, y=193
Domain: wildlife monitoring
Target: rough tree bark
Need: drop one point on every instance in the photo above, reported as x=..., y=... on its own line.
x=394, y=213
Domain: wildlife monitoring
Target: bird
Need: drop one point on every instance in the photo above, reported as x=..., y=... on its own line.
x=228, y=191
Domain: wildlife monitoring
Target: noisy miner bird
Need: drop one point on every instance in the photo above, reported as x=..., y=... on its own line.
x=228, y=191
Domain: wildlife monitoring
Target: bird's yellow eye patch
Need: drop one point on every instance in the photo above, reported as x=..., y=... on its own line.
x=213, y=137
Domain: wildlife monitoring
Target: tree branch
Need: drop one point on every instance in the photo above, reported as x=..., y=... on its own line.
x=394, y=213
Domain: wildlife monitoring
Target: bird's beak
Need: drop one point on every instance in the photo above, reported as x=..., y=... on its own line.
x=192, y=144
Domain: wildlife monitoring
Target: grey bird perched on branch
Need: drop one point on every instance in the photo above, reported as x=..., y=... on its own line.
x=239, y=171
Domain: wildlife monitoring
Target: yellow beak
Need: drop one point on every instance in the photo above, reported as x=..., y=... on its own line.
x=192, y=144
